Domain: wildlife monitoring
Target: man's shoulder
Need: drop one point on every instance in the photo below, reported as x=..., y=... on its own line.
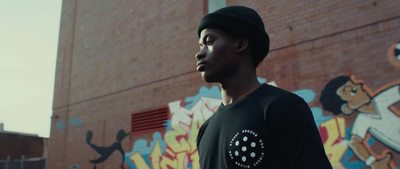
x=278, y=94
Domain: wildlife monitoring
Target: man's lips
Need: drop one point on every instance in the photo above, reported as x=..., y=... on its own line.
x=201, y=65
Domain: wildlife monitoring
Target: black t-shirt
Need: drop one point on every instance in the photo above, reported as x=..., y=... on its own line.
x=269, y=128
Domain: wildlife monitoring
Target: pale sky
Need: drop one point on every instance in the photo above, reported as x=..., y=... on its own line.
x=28, y=50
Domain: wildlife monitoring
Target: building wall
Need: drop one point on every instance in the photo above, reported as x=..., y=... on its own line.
x=121, y=57
x=15, y=145
x=17, y=148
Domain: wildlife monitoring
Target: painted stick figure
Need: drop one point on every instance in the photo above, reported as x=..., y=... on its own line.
x=105, y=152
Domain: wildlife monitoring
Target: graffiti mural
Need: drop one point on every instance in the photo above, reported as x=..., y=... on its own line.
x=376, y=123
x=376, y=116
x=177, y=148
x=105, y=152
x=359, y=120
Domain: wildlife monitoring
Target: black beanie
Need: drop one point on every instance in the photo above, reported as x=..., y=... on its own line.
x=240, y=20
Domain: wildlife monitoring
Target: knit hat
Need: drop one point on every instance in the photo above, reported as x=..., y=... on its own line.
x=240, y=20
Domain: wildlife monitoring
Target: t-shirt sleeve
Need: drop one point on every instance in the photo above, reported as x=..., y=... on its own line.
x=201, y=132
x=298, y=139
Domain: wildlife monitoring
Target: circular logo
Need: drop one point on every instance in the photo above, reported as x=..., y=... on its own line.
x=246, y=149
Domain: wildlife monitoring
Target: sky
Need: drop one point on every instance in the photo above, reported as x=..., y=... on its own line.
x=29, y=31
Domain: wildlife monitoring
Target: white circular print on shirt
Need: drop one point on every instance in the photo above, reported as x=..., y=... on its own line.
x=246, y=149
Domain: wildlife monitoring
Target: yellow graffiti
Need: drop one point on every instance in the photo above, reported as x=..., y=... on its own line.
x=193, y=135
x=156, y=156
x=171, y=139
x=159, y=161
x=182, y=151
x=178, y=154
x=336, y=130
x=138, y=160
x=195, y=160
x=181, y=140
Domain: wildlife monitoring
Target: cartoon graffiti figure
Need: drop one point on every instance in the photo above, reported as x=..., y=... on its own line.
x=375, y=116
x=105, y=152
x=394, y=54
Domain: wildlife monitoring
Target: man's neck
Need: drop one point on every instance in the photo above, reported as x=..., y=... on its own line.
x=237, y=89
x=368, y=108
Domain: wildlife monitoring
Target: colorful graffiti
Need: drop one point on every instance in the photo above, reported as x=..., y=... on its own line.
x=177, y=147
x=376, y=116
x=377, y=122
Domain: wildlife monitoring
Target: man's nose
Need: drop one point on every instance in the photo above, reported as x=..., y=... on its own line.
x=200, y=55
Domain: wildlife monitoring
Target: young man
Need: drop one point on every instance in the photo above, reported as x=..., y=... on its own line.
x=257, y=125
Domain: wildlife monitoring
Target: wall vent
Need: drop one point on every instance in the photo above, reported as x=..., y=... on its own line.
x=149, y=121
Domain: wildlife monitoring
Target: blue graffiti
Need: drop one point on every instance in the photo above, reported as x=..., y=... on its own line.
x=318, y=116
x=351, y=164
x=371, y=141
x=213, y=92
x=261, y=80
x=307, y=94
x=60, y=125
x=167, y=125
x=75, y=122
x=144, y=149
x=350, y=154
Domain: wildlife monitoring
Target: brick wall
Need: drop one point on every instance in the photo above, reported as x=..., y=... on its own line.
x=16, y=145
x=121, y=57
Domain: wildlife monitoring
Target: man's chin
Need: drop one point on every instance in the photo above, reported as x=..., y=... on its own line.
x=206, y=78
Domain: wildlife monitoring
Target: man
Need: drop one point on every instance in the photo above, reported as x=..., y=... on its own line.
x=257, y=125
x=348, y=95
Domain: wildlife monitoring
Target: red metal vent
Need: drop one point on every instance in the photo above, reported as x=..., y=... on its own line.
x=149, y=121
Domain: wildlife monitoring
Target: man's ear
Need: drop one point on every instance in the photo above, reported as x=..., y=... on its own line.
x=242, y=45
x=346, y=110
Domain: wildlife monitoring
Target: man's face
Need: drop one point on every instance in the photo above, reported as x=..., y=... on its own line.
x=354, y=94
x=216, y=59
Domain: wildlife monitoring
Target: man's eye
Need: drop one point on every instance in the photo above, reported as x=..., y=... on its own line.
x=353, y=91
x=209, y=42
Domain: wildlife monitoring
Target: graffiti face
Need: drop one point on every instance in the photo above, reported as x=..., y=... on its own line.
x=355, y=96
x=380, y=125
